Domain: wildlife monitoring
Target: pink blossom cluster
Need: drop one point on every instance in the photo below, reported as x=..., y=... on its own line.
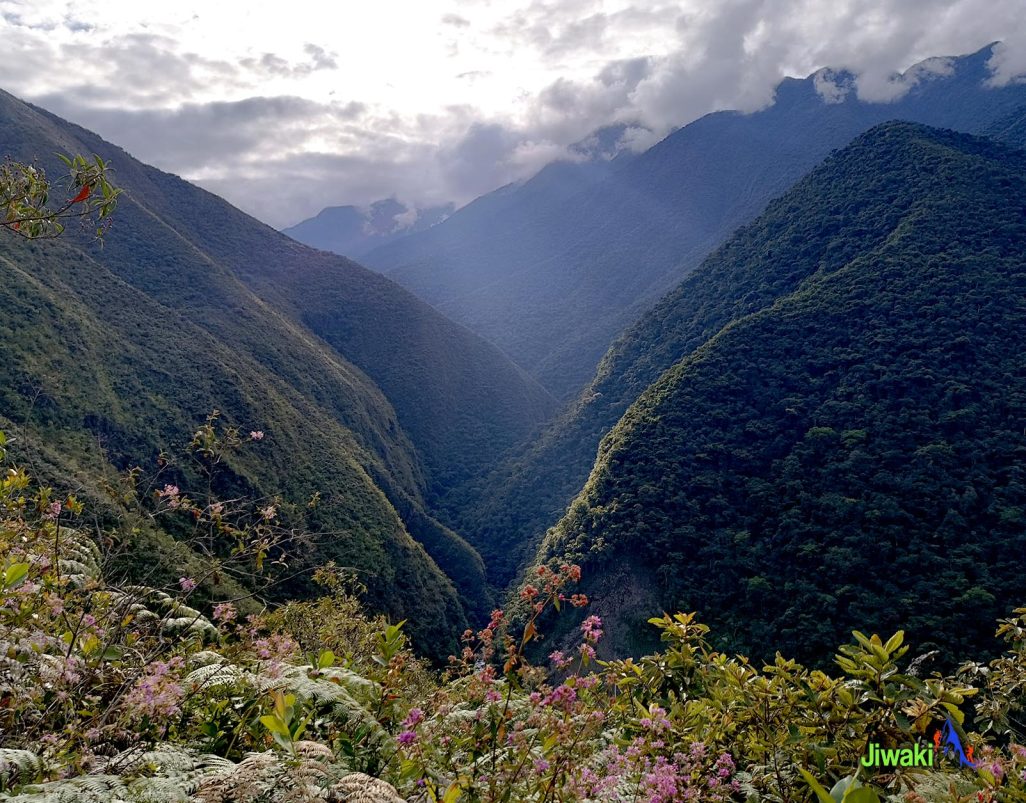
x=157, y=694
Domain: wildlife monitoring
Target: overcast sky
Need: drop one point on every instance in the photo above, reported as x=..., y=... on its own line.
x=284, y=108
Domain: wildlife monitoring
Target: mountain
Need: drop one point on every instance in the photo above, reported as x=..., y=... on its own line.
x=843, y=441
x=508, y=513
x=552, y=279
x=110, y=355
x=352, y=231
x=1010, y=129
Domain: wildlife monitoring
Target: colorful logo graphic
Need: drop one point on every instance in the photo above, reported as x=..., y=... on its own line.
x=946, y=742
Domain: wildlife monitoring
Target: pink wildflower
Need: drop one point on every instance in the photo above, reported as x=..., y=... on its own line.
x=592, y=628
x=225, y=612
x=414, y=718
x=157, y=694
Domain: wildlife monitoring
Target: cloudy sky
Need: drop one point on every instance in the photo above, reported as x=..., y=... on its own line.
x=284, y=108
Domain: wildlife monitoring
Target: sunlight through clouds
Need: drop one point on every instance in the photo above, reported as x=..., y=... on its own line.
x=349, y=103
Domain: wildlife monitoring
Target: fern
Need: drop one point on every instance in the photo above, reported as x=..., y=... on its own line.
x=345, y=694
x=82, y=789
x=79, y=557
x=313, y=775
x=175, y=618
x=18, y=767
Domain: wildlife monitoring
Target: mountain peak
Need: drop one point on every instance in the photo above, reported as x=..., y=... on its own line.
x=355, y=230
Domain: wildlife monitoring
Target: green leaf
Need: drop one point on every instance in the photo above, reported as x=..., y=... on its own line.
x=326, y=659
x=895, y=641
x=274, y=724
x=821, y=793
x=843, y=787
x=15, y=574
x=862, y=794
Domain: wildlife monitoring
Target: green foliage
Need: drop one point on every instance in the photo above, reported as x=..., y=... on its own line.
x=843, y=445
x=101, y=700
x=108, y=356
x=25, y=193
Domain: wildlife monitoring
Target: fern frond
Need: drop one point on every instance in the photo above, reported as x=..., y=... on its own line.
x=82, y=789
x=19, y=767
x=79, y=557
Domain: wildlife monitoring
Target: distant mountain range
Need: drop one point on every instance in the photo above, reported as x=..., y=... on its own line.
x=734, y=162
x=552, y=270
x=366, y=394
x=839, y=438
x=808, y=413
x=353, y=231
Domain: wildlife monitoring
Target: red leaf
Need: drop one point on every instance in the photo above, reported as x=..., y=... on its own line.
x=82, y=195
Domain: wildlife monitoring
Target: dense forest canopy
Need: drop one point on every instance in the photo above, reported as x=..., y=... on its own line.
x=851, y=450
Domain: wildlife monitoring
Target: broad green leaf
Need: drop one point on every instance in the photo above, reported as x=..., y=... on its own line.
x=274, y=724
x=821, y=793
x=15, y=574
x=861, y=795
x=326, y=659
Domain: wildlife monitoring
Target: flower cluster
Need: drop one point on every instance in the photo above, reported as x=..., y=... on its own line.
x=158, y=694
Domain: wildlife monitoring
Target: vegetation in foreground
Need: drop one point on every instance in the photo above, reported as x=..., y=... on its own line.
x=118, y=691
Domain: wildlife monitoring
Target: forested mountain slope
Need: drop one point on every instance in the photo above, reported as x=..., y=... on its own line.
x=1010, y=129
x=365, y=393
x=844, y=443
x=553, y=280
x=532, y=488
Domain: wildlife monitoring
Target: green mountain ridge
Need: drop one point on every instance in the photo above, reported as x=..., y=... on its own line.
x=366, y=394
x=552, y=277
x=844, y=442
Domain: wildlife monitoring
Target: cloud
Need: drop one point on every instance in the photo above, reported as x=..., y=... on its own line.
x=283, y=116
x=196, y=137
x=455, y=20
x=272, y=64
x=1008, y=64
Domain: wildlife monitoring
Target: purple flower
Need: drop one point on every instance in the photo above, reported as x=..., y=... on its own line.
x=414, y=718
x=592, y=628
x=225, y=612
x=187, y=584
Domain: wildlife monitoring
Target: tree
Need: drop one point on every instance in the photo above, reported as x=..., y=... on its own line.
x=25, y=197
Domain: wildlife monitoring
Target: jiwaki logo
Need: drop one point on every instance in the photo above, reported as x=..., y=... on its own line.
x=945, y=743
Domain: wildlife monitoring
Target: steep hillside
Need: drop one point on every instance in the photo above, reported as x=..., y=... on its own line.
x=844, y=441
x=366, y=394
x=1010, y=129
x=512, y=509
x=553, y=285
x=353, y=231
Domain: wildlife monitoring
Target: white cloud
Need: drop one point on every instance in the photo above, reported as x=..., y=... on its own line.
x=440, y=101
